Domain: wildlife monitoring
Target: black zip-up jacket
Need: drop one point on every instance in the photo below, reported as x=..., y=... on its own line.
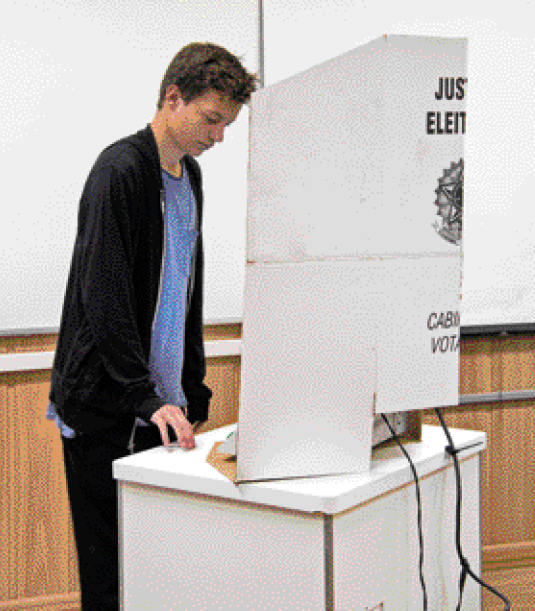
x=101, y=375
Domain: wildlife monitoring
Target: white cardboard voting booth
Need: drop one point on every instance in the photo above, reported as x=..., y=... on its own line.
x=353, y=279
x=352, y=294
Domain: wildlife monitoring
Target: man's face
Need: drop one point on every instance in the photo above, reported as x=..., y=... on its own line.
x=197, y=126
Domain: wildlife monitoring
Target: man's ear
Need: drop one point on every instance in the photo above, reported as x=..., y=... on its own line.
x=173, y=97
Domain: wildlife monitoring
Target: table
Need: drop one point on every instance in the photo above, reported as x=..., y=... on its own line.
x=191, y=539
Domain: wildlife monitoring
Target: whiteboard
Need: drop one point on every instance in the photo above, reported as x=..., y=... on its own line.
x=499, y=210
x=76, y=76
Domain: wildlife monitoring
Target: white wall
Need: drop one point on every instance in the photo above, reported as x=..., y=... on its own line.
x=499, y=219
x=78, y=74
x=75, y=76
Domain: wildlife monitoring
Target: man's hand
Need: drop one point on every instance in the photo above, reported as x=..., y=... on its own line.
x=173, y=416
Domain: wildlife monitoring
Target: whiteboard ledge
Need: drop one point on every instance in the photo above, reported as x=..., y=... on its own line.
x=216, y=322
x=25, y=332
x=32, y=361
x=27, y=361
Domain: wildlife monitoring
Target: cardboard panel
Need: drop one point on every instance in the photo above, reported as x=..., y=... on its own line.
x=354, y=253
x=308, y=370
x=346, y=157
x=418, y=333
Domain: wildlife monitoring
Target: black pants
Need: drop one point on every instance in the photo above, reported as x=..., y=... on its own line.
x=93, y=501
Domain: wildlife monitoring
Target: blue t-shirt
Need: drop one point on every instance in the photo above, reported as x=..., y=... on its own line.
x=167, y=346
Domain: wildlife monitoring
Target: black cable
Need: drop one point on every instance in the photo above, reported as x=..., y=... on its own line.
x=465, y=567
x=419, y=501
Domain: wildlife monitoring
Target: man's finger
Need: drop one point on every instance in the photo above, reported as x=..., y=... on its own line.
x=184, y=434
x=162, y=425
x=185, y=441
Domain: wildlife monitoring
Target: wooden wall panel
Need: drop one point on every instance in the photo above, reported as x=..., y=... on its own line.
x=38, y=568
x=219, y=332
x=37, y=543
x=28, y=343
x=5, y=495
x=513, y=473
x=223, y=377
x=517, y=585
x=480, y=366
x=518, y=358
x=55, y=602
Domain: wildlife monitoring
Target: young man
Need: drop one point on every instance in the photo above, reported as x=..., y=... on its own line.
x=129, y=366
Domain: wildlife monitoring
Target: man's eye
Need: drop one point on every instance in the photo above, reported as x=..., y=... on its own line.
x=211, y=121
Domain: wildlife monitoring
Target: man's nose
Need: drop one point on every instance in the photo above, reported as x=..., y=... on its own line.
x=218, y=133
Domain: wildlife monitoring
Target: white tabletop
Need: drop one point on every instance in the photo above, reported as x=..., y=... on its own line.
x=188, y=471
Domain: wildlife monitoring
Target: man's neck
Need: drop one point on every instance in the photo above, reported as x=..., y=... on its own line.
x=175, y=171
x=170, y=158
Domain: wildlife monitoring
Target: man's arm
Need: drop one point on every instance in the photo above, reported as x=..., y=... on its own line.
x=107, y=254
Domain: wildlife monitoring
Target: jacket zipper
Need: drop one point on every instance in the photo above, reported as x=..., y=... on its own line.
x=162, y=204
x=191, y=281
